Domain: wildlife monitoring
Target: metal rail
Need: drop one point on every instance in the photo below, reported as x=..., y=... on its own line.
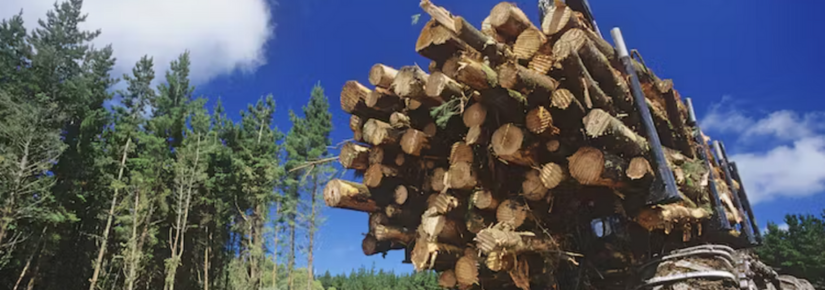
x=720, y=218
x=723, y=162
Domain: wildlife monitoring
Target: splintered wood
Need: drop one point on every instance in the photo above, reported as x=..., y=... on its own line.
x=485, y=168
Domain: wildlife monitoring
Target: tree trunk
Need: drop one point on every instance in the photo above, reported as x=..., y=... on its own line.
x=182, y=218
x=275, y=240
x=133, y=257
x=438, y=43
x=442, y=88
x=591, y=166
x=311, y=230
x=379, y=133
x=206, y=260
x=612, y=134
x=110, y=216
x=35, y=252
x=528, y=43
x=354, y=156
x=383, y=100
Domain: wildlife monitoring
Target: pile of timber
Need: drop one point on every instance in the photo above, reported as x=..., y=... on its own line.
x=463, y=162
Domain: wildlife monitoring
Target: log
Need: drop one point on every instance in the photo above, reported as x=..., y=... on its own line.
x=511, y=212
x=409, y=83
x=432, y=255
x=477, y=135
x=430, y=129
x=442, y=88
x=375, y=174
x=611, y=133
x=414, y=141
x=532, y=187
x=394, y=234
x=400, y=159
x=667, y=217
x=439, y=228
x=525, y=81
x=371, y=246
x=484, y=200
x=508, y=20
x=528, y=43
x=575, y=52
x=405, y=216
x=508, y=104
x=466, y=271
x=502, y=238
x=508, y=141
x=412, y=105
x=552, y=175
x=569, y=109
x=558, y=19
x=442, y=203
x=353, y=97
x=384, y=100
x=462, y=176
x=591, y=166
x=437, y=179
x=376, y=219
x=470, y=72
x=354, y=156
x=382, y=75
x=349, y=195
x=542, y=62
x=400, y=195
x=356, y=124
x=461, y=152
x=447, y=279
x=384, y=154
x=487, y=45
x=539, y=121
x=437, y=42
x=488, y=29
x=474, y=115
x=638, y=168
x=380, y=133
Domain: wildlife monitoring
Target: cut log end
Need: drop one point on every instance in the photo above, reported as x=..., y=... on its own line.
x=462, y=175
x=474, y=115
x=461, y=152
x=540, y=122
x=442, y=88
x=552, y=175
x=466, y=271
x=377, y=133
x=511, y=212
x=509, y=20
x=409, y=83
x=349, y=195
x=484, y=200
x=400, y=194
x=507, y=140
x=638, y=168
x=414, y=141
x=353, y=94
x=354, y=156
x=447, y=279
x=382, y=75
x=528, y=43
x=532, y=187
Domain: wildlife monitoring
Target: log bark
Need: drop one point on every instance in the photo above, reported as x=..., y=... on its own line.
x=611, y=133
x=410, y=82
x=382, y=75
x=528, y=43
x=484, y=200
x=502, y=238
x=497, y=52
x=353, y=100
x=376, y=219
x=384, y=100
x=509, y=145
x=539, y=121
x=574, y=51
x=414, y=141
x=509, y=20
x=437, y=42
x=380, y=133
x=509, y=105
x=474, y=115
x=349, y=195
x=442, y=88
x=527, y=82
x=591, y=166
x=470, y=72
x=511, y=212
x=461, y=152
x=552, y=175
x=354, y=156
x=488, y=29
x=375, y=174
x=462, y=176
x=532, y=187
x=667, y=217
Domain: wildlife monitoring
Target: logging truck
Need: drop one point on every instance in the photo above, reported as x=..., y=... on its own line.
x=540, y=156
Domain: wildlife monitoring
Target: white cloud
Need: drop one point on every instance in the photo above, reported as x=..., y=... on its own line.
x=222, y=36
x=793, y=168
x=781, y=227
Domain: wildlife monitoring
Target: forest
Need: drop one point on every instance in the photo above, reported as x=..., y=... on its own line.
x=155, y=191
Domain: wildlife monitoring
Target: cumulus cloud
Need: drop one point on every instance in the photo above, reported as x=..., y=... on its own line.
x=793, y=167
x=223, y=36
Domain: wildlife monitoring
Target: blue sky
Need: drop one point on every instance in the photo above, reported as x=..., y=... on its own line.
x=752, y=70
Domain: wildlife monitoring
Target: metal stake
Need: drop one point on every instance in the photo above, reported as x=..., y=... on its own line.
x=720, y=217
x=659, y=195
x=723, y=162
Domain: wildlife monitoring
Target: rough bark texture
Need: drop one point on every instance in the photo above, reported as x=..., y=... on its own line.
x=349, y=195
x=354, y=156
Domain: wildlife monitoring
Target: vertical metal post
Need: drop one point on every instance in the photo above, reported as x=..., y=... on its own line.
x=745, y=202
x=661, y=193
x=723, y=162
x=720, y=218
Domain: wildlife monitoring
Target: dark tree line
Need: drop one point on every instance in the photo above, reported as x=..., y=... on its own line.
x=156, y=192
x=799, y=250
x=370, y=279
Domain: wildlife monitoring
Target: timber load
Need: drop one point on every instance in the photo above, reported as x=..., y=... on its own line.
x=483, y=165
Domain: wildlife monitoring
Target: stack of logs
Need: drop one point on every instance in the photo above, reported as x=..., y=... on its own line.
x=472, y=165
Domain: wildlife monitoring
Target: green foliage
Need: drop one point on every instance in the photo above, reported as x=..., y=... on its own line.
x=446, y=111
x=365, y=279
x=798, y=250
